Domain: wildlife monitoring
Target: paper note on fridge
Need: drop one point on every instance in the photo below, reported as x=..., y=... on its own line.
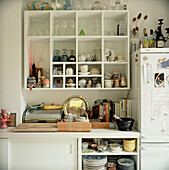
x=148, y=73
x=160, y=105
x=165, y=124
x=163, y=64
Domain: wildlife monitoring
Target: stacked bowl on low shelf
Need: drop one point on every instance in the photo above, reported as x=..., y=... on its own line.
x=129, y=144
x=94, y=162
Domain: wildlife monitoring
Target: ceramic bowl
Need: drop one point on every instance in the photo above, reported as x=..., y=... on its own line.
x=95, y=71
x=129, y=145
x=101, y=148
x=93, y=145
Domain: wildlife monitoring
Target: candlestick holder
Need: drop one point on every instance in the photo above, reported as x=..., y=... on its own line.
x=4, y=117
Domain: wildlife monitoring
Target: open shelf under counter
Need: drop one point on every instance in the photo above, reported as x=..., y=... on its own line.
x=109, y=152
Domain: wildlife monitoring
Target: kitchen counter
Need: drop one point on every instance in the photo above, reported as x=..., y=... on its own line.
x=106, y=133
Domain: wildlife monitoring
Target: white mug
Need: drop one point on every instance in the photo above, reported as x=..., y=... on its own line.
x=84, y=68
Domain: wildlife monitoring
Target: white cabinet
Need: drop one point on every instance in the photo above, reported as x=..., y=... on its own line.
x=42, y=153
x=3, y=154
x=48, y=31
x=154, y=156
x=108, y=152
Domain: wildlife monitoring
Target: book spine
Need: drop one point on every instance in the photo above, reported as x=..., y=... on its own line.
x=112, y=110
x=121, y=109
x=124, y=107
x=101, y=112
x=106, y=112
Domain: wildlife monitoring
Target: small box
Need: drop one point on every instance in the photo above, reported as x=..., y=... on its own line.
x=74, y=126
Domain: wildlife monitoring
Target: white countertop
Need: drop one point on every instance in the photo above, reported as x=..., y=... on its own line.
x=95, y=133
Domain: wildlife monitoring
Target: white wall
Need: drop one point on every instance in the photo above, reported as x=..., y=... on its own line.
x=11, y=56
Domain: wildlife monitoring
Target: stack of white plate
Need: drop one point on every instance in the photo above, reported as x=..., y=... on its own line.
x=94, y=162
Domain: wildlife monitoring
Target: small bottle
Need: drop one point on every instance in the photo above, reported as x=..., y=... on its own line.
x=152, y=39
x=145, y=39
x=46, y=82
x=160, y=41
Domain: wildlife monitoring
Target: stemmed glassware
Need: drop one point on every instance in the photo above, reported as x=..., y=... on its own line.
x=76, y=4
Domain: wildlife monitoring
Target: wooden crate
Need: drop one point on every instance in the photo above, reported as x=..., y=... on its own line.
x=103, y=125
x=74, y=126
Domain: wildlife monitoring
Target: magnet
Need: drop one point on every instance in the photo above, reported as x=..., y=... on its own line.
x=167, y=78
x=145, y=58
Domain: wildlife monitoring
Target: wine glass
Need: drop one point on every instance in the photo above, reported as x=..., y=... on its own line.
x=76, y=4
x=86, y=4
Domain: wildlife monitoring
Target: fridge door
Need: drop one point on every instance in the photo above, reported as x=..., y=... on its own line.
x=154, y=156
x=151, y=127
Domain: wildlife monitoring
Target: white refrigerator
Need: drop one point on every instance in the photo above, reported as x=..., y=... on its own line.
x=150, y=105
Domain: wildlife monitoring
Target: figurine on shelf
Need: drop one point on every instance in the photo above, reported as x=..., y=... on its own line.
x=4, y=117
x=89, y=85
x=123, y=82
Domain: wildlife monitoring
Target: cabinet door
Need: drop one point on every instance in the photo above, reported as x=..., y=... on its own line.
x=51, y=153
x=155, y=156
x=3, y=154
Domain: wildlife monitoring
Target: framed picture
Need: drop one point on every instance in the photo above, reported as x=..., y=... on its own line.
x=12, y=120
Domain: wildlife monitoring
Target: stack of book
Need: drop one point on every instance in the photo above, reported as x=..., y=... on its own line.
x=120, y=108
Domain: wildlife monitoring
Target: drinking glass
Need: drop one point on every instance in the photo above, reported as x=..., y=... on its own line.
x=72, y=27
x=86, y=4
x=63, y=27
x=76, y=4
x=56, y=27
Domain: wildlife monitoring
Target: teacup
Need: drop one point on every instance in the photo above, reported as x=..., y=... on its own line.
x=84, y=68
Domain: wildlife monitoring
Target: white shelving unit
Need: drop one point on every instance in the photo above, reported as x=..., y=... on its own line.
x=100, y=27
x=133, y=155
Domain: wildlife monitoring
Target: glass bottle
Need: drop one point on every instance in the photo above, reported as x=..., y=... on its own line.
x=145, y=39
x=72, y=57
x=117, y=5
x=56, y=56
x=46, y=82
x=98, y=53
x=152, y=39
x=64, y=57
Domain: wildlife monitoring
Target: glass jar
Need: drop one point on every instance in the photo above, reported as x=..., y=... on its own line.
x=99, y=5
x=117, y=5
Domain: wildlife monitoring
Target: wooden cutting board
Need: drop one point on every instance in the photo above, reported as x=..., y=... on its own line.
x=36, y=127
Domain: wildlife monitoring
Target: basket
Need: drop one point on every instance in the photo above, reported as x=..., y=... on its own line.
x=74, y=126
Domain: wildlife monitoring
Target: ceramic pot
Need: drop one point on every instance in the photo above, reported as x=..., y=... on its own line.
x=69, y=71
x=82, y=83
x=82, y=57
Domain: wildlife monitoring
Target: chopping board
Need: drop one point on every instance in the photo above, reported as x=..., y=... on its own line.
x=36, y=127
